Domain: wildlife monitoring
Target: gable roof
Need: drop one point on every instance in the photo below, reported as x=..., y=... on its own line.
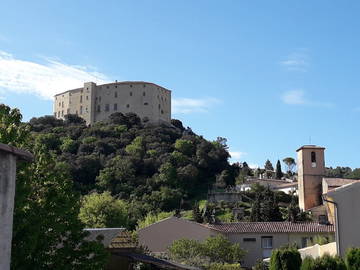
x=344, y=188
x=338, y=182
x=271, y=227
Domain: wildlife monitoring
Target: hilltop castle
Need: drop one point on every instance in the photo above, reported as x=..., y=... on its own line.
x=93, y=103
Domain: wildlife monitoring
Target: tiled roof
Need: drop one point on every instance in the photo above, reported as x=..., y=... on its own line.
x=271, y=227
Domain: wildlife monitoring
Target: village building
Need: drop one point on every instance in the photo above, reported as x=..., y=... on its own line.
x=257, y=238
x=93, y=103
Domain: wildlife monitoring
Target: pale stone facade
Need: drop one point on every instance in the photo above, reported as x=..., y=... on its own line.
x=95, y=103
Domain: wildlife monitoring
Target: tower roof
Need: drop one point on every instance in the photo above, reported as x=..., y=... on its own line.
x=310, y=147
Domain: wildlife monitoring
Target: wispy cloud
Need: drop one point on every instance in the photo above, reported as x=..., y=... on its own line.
x=192, y=105
x=297, y=61
x=237, y=156
x=43, y=79
x=297, y=97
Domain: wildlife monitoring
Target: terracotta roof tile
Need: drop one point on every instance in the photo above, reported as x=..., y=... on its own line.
x=271, y=227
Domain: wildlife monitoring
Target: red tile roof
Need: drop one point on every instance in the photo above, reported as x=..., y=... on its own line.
x=271, y=227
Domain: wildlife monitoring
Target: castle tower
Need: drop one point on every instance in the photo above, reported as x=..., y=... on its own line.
x=311, y=170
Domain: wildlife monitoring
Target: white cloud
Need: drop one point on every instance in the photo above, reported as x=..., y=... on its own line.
x=236, y=156
x=43, y=79
x=294, y=97
x=297, y=97
x=297, y=61
x=191, y=105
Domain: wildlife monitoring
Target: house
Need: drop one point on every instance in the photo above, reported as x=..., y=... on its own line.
x=124, y=253
x=342, y=204
x=257, y=238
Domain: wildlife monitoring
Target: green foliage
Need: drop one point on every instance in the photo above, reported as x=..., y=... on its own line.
x=325, y=262
x=136, y=148
x=103, y=211
x=214, y=250
x=185, y=147
x=220, y=266
x=47, y=233
x=290, y=163
x=265, y=206
x=285, y=259
x=69, y=145
x=152, y=218
x=260, y=265
x=352, y=259
x=278, y=172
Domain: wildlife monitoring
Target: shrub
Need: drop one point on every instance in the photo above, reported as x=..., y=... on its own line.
x=285, y=258
x=326, y=262
x=219, y=266
x=353, y=259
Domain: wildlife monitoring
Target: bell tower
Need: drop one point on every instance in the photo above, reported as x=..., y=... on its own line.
x=311, y=170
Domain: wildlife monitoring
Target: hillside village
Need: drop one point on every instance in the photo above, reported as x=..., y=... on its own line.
x=175, y=190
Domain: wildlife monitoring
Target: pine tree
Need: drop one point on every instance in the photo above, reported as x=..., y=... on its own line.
x=255, y=215
x=278, y=173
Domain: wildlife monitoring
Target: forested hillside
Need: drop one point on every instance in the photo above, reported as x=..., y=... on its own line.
x=152, y=168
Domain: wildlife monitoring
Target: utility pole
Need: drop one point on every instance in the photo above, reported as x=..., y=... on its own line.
x=9, y=156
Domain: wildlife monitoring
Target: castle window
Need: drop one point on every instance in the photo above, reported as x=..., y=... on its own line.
x=58, y=114
x=127, y=106
x=62, y=113
x=107, y=107
x=80, y=99
x=146, y=103
x=144, y=94
x=313, y=159
x=99, y=99
x=107, y=87
x=116, y=95
x=115, y=107
x=87, y=97
x=130, y=94
x=81, y=110
x=98, y=108
x=162, y=112
x=82, y=91
x=59, y=104
x=68, y=111
x=130, y=85
x=115, y=86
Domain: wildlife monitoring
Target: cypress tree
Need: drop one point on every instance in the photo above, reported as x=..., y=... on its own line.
x=278, y=172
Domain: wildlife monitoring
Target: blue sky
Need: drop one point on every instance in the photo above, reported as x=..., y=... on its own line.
x=267, y=75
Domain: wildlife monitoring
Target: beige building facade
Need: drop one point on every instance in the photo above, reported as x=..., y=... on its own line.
x=93, y=103
x=258, y=239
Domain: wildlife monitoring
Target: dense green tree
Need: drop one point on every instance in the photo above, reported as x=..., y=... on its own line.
x=255, y=214
x=325, y=262
x=217, y=249
x=278, y=173
x=268, y=165
x=103, y=211
x=285, y=259
x=47, y=233
x=352, y=259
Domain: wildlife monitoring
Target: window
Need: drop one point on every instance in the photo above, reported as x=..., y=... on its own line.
x=313, y=159
x=127, y=106
x=115, y=86
x=130, y=94
x=68, y=111
x=58, y=114
x=87, y=97
x=162, y=112
x=107, y=107
x=130, y=85
x=146, y=103
x=98, y=108
x=59, y=104
x=80, y=99
x=62, y=113
x=144, y=94
x=249, y=239
x=99, y=99
x=267, y=242
x=115, y=107
x=80, y=109
x=116, y=95
x=107, y=87
x=306, y=241
x=62, y=104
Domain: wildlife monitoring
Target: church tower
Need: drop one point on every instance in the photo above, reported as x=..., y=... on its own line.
x=311, y=170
